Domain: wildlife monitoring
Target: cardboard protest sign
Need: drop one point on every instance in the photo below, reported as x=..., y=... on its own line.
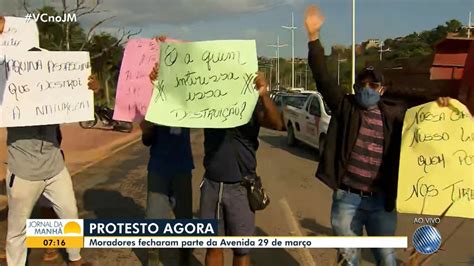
x=205, y=85
x=134, y=87
x=42, y=88
x=18, y=33
x=437, y=161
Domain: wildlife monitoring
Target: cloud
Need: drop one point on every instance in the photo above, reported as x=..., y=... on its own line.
x=10, y=7
x=179, y=12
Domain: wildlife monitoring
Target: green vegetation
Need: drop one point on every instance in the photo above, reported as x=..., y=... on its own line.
x=105, y=49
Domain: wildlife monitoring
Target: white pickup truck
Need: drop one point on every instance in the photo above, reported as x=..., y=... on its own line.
x=308, y=124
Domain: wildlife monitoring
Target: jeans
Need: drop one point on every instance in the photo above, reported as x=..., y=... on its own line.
x=351, y=212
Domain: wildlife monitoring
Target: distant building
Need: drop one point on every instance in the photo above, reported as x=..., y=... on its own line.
x=371, y=43
x=297, y=60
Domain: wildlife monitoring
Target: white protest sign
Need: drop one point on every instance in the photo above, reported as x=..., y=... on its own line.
x=18, y=33
x=43, y=88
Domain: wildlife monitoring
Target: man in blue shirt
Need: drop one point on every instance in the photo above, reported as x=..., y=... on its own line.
x=169, y=177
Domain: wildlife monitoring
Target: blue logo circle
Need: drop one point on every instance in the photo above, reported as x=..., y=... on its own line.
x=426, y=239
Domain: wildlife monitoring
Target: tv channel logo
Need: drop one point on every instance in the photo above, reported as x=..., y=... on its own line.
x=427, y=239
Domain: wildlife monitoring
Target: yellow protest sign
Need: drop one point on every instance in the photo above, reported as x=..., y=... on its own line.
x=437, y=161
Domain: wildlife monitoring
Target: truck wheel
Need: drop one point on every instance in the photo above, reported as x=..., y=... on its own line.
x=290, y=137
x=322, y=141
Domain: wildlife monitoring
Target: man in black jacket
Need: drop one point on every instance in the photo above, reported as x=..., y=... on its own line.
x=361, y=154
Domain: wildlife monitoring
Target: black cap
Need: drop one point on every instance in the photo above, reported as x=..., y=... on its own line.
x=370, y=72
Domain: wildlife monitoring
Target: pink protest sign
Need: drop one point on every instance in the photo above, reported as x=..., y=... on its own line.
x=134, y=88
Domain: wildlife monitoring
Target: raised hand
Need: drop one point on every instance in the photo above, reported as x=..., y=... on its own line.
x=161, y=38
x=261, y=84
x=93, y=84
x=154, y=73
x=313, y=21
x=2, y=24
x=443, y=101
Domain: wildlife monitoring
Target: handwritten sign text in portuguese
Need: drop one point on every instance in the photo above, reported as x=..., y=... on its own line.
x=205, y=84
x=43, y=88
x=437, y=161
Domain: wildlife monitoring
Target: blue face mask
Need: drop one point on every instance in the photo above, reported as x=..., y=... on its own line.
x=367, y=97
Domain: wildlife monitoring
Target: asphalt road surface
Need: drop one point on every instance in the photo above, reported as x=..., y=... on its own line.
x=116, y=188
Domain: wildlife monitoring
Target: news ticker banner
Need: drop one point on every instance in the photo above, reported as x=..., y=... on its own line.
x=97, y=233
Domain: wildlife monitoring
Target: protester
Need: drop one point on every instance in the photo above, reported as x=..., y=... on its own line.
x=36, y=168
x=361, y=154
x=169, y=175
x=230, y=156
x=50, y=254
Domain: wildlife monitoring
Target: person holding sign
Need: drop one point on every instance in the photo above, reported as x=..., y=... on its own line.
x=361, y=155
x=36, y=169
x=230, y=157
x=169, y=175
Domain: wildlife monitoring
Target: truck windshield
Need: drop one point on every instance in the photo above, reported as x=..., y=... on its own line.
x=295, y=100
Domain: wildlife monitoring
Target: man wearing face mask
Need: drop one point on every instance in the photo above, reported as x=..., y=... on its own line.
x=361, y=154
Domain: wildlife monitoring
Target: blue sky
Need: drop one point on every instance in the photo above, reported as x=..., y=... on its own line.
x=261, y=19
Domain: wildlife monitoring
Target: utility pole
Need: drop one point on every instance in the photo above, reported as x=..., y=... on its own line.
x=292, y=28
x=271, y=70
x=381, y=50
x=469, y=26
x=353, y=44
x=278, y=45
x=339, y=60
x=306, y=77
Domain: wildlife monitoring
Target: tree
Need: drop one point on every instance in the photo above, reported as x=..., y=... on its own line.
x=105, y=50
x=52, y=34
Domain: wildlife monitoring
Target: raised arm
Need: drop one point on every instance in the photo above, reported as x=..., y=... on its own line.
x=269, y=116
x=331, y=92
x=2, y=24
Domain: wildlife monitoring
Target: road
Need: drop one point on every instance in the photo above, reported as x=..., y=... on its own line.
x=116, y=188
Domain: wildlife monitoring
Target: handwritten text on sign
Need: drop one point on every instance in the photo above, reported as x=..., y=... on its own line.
x=18, y=34
x=134, y=87
x=437, y=161
x=205, y=85
x=42, y=88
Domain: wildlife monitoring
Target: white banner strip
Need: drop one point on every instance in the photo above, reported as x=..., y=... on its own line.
x=246, y=242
